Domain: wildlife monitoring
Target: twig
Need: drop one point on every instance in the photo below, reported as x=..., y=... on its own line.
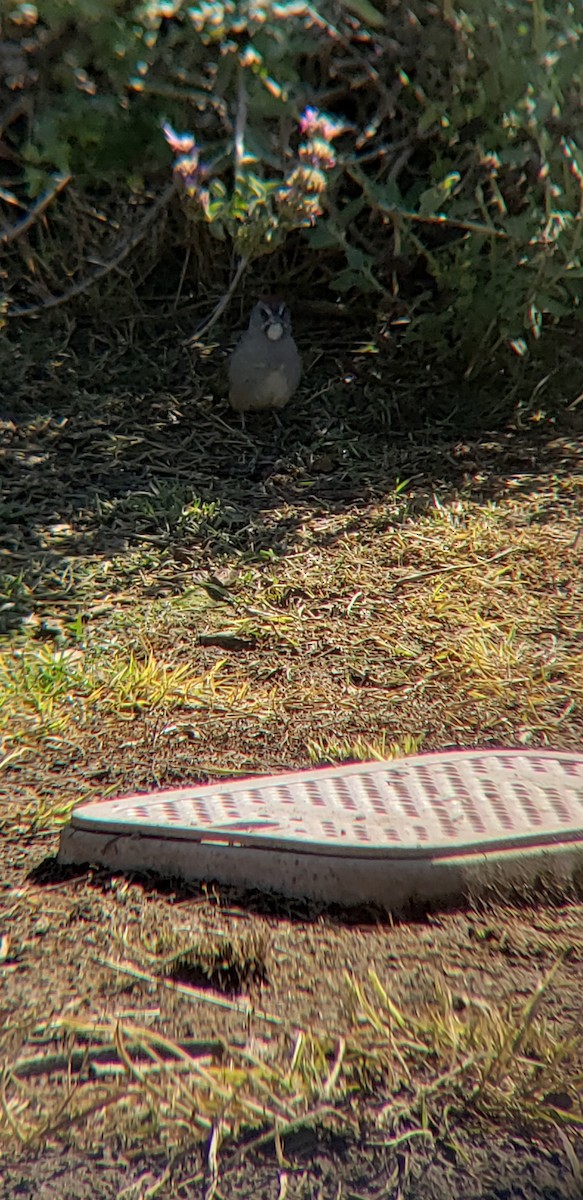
x=396, y=211
x=11, y=232
x=309, y=1119
x=223, y=303
x=71, y=1119
x=182, y=278
x=400, y=162
x=240, y=124
x=195, y=994
x=483, y=562
x=76, y=1060
x=104, y=268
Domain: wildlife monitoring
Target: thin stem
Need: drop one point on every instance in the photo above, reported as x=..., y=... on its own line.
x=223, y=303
x=240, y=126
x=238, y=157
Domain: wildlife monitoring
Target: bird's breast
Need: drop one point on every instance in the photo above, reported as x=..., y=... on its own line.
x=274, y=386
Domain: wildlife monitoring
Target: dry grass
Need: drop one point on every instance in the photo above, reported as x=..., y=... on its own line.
x=186, y=598
x=415, y=1071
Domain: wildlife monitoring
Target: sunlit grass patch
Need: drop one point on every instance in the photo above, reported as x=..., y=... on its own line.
x=142, y=1083
x=138, y=680
x=44, y=689
x=360, y=749
x=164, y=506
x=38, y=684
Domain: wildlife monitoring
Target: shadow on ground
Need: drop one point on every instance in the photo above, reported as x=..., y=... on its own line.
x=544, y=891
x=135, y=448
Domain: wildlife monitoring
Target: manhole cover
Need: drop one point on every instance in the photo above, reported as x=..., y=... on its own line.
x=368, y=831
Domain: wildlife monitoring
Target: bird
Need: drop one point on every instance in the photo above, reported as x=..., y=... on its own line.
x=265, y=367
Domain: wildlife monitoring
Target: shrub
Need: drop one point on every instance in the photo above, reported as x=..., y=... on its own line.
x=431, y=155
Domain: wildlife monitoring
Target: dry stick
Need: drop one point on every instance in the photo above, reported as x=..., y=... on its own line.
x=11, y=232
x=196, y=994
x=104, y=269
x=483, y=562
x=311, y=1117
x=62, y=1118
x=238, y=155
x=5, y=1107
x=76, y=1060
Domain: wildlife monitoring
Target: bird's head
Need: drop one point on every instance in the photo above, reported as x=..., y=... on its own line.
x=272, y=316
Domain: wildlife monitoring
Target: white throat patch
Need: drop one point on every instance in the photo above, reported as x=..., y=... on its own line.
x=274, y=331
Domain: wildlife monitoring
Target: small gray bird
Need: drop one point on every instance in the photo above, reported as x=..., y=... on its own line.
x=265, y=366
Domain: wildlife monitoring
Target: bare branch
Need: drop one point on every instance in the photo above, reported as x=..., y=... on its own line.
x=11, y=232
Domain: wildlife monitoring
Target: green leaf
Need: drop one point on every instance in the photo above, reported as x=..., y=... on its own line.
x=323, y=236
x=428, y=118
x=556, y=308
x=36, y=181
x=259, y=145
x=217, y=189
x=521, y=226
x=345, y=280
x=255, y=185
x=358, y=261
x=350, y=211
x=386, y=195
x=431, y=201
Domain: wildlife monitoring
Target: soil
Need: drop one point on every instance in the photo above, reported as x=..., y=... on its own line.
x=319, y=1169
x=65, y=923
